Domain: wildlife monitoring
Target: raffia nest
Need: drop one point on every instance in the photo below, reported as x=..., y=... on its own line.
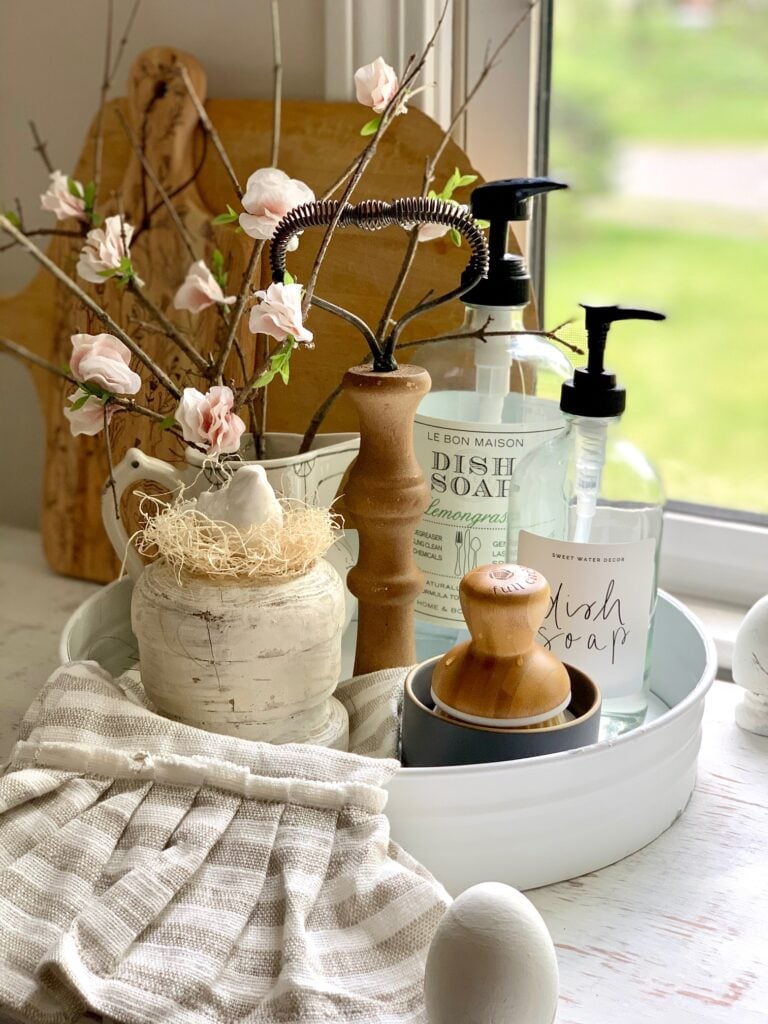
x=195, y=545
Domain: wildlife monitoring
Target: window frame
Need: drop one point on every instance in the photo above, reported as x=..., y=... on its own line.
x=711, y=554
x=708, y=554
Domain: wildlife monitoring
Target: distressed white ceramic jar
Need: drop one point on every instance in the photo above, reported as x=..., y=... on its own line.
x=255, y=660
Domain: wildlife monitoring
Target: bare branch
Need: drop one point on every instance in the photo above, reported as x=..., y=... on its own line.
x=208, y=126
x=99, y=143
x=491, y=56
x=43, y=231
x=169, y=328
x=239, y=306
x=388, y=115
x=94, y=307
x=321, y=412
x=172, y=211
x=245, y=392
x=179, y=188
x=324, y=408
x=40, y=147
x=482, y=334
x=277, y=93
x=394, y=295
x=19, y=352
x=124, y=40
x=110, y=465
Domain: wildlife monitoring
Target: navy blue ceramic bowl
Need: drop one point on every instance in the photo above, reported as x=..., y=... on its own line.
x=430, y=739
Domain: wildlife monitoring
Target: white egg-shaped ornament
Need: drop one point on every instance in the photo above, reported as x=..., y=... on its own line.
x=492, y=960
x=750, y=669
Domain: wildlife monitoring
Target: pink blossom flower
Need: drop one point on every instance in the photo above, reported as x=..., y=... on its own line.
x=105, y=361
x=269, y=195
x=104, y=250
x=209, y=420
x=200, y=290
x=279, y=314
x=376, y=84
x=59, y=200
x=89, y=418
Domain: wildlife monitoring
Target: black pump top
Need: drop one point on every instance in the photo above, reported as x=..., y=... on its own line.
x=593, y=390
x=508, y=282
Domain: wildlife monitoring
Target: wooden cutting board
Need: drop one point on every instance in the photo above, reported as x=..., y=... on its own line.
x=318, y=141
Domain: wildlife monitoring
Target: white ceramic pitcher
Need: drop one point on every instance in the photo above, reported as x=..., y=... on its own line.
x=313, y=477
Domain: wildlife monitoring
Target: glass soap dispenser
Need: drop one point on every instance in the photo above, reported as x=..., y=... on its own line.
x=585, y=510
x=493, y=398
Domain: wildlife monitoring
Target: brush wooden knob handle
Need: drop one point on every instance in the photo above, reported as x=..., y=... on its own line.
x=502, y=676
x=503, y=607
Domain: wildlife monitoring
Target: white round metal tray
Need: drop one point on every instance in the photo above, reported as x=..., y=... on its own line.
x=531, y=822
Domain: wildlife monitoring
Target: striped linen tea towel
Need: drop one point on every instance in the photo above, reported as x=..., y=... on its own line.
x=154, y=872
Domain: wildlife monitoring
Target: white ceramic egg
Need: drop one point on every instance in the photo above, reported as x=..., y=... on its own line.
x=246, y=500
x=750, y=668
x=491, y=960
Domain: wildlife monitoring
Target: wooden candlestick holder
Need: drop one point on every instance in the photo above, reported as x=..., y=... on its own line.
x=383, y=499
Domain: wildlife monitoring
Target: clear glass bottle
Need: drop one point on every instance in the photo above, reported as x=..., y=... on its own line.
x=586, y=511
x=495, y=393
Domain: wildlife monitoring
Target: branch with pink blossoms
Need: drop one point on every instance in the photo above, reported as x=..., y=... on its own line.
x=101, y=314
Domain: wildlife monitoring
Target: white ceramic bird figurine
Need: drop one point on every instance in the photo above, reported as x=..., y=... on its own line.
x=750, y=668
x=492, y=960
x=246, y=500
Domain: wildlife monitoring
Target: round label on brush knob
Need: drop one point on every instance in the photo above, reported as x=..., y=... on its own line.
x=502, y=675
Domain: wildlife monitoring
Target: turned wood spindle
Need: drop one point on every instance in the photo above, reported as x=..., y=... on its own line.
x=384, y=497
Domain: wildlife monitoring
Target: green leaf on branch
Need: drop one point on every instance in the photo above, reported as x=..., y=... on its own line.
x=89, y=195
x=455, y=237
x=94, y=391
x=219, y=273
x=371, y=127
x=80, y=402
x=288, y=278
x=226, y=218
x=451, y=185
x=279, y=363
x=483, y=224
x=456, y=180
x=75, y=188
x=168, y=423
x=12, y=218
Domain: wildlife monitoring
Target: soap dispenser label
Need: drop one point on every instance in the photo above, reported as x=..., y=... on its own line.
x=599, y=608
x=468, y=467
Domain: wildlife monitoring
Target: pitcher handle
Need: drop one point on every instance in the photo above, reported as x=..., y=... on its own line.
x=135, y=466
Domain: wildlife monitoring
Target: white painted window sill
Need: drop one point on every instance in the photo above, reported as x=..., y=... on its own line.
x=721, y=622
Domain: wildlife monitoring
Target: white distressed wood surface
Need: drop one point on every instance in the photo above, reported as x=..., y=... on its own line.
x=678, y=932
x=675, y=934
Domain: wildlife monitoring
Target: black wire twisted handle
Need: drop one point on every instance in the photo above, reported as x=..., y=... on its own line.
x=372, y=215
